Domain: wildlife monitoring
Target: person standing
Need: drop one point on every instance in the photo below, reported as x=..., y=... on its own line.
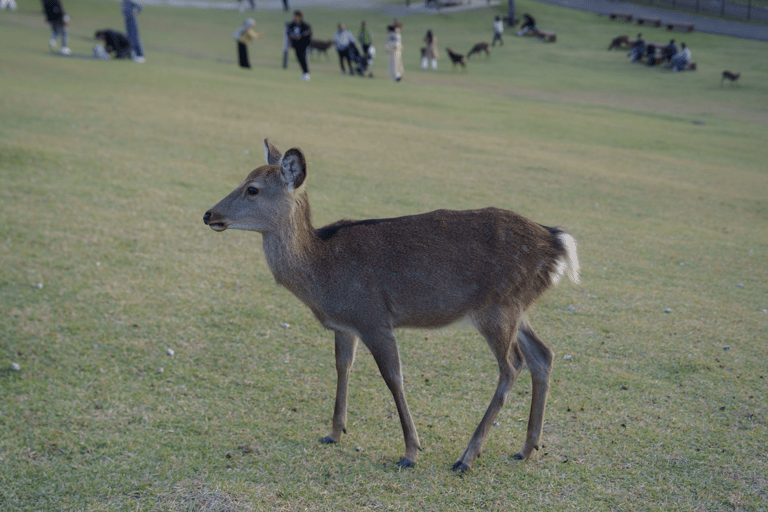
x=394, y=47
x=8, y=4
x=241, y=7
x=343, y=39
x=58, y=20
x=498, y=29
x=243, y=36
x=130, y=7
x=430, y=52
x=365, y=37
x=286, y=44
x=300, y=33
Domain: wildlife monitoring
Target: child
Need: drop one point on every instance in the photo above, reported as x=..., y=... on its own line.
x=430, y=52
x=58, y=19
x=498, y=29
x=243, y=36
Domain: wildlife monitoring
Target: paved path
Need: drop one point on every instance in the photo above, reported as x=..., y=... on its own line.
x=602, y=7
x=701, y=23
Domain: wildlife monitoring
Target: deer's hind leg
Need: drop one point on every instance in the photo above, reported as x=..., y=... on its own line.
x=539, y=358
x=499, y=328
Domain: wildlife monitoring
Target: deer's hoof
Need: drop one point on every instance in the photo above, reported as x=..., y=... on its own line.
x=328, y=440
x=406, y=463
x=519, y=456
x=461, y=467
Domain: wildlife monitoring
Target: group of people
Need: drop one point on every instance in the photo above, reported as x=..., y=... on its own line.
x=115, y=44
x=346, y=46
x=353, y=60
x=676, y=59
x=298, y=34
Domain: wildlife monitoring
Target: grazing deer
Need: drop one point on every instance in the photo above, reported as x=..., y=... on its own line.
x=364, y=278
x=619, y=42
x=456, y=58
x=727, y=75
x=479, y=47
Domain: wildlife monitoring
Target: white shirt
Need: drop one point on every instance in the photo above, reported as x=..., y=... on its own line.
x=343, y=38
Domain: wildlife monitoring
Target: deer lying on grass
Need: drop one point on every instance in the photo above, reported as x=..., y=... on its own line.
x=362, y=279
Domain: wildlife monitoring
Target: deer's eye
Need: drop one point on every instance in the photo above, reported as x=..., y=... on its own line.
x=252, y=191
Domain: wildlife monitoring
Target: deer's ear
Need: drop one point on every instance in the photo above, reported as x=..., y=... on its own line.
x=293, y=168
x=271, y=154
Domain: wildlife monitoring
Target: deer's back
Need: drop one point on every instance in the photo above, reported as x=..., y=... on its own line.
x=432, y=269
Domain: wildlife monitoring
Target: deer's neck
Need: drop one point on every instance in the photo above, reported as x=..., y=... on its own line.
x=288, y=248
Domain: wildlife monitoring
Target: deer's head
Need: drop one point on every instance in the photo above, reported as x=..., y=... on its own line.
x=267, y=196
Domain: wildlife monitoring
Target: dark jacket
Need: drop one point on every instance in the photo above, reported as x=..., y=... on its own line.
x=302, y=31
x=116, y=42
x=53, y=10
x=669, y=51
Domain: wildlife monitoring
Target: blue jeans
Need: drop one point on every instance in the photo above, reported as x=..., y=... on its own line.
x=58, y=27
x=679, y=63
x=132, y=29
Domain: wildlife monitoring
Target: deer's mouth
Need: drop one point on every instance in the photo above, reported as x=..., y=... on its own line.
x=215, y=225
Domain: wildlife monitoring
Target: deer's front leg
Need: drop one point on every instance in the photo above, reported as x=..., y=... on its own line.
x=383, y=347
x=346, y=345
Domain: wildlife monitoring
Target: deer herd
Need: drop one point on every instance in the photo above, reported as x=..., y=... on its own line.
x=363, y=279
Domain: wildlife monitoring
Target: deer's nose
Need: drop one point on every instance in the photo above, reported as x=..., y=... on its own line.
x=206, y=217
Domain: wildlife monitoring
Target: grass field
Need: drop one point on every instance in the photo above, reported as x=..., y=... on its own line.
x=106, y=169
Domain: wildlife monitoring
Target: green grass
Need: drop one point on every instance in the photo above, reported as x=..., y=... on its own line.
x=106, y=169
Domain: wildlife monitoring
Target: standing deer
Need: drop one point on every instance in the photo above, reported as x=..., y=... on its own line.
x=362, y=279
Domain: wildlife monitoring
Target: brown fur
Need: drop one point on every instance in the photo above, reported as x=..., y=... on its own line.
x=363, y=279
x=456, y=58
x=319, y=47
x=479, y=47
x=618, y=42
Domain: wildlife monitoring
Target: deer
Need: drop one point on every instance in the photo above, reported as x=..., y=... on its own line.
x=479, y=47
x=728, y=75
x=362, y=279
x=456, y=58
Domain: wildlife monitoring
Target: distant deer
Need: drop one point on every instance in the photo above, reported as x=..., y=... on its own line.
x=319, y=46
x=727, y=75
x=619, y=42
x=456, y=58
x=479, y=47
x=364, y=278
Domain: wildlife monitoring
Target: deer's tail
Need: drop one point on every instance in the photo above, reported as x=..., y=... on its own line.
x=568, y=260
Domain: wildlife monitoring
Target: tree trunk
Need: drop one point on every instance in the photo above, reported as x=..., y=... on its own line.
x=511, y=13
